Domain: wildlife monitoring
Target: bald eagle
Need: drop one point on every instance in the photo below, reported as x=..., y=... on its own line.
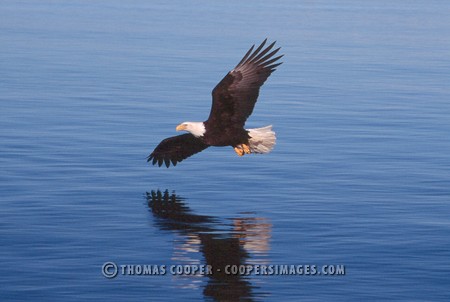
x=233, y=100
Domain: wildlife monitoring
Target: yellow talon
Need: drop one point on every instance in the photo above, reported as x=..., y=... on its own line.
x=239, y=150
x=246, y=148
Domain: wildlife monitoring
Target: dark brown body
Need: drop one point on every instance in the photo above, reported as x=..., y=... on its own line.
x=225, y=137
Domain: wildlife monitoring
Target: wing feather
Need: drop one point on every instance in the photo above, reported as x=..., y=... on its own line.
x=267, y=63
x=246, y=55
x=235, y=96
x=255, y=53
x=262, y=53
x=175, y=149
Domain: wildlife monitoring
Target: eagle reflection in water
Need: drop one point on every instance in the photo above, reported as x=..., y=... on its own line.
x=221, y=244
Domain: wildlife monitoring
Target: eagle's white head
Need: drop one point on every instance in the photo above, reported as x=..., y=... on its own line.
x=195, y=128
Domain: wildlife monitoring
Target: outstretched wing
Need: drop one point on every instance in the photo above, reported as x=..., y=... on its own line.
x=235, y=96
x=175, y=149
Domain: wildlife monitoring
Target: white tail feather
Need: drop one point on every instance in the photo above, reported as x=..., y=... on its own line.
x=262, y=139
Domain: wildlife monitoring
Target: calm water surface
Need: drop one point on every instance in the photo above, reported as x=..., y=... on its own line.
x=360, y=175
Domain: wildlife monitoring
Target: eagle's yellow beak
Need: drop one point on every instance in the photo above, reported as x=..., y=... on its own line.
x=181, y=127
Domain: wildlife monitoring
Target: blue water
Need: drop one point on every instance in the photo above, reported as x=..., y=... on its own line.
x=360, y=175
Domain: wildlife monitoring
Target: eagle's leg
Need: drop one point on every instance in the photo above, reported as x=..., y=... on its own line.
x=246, y=148
x=238, y=150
